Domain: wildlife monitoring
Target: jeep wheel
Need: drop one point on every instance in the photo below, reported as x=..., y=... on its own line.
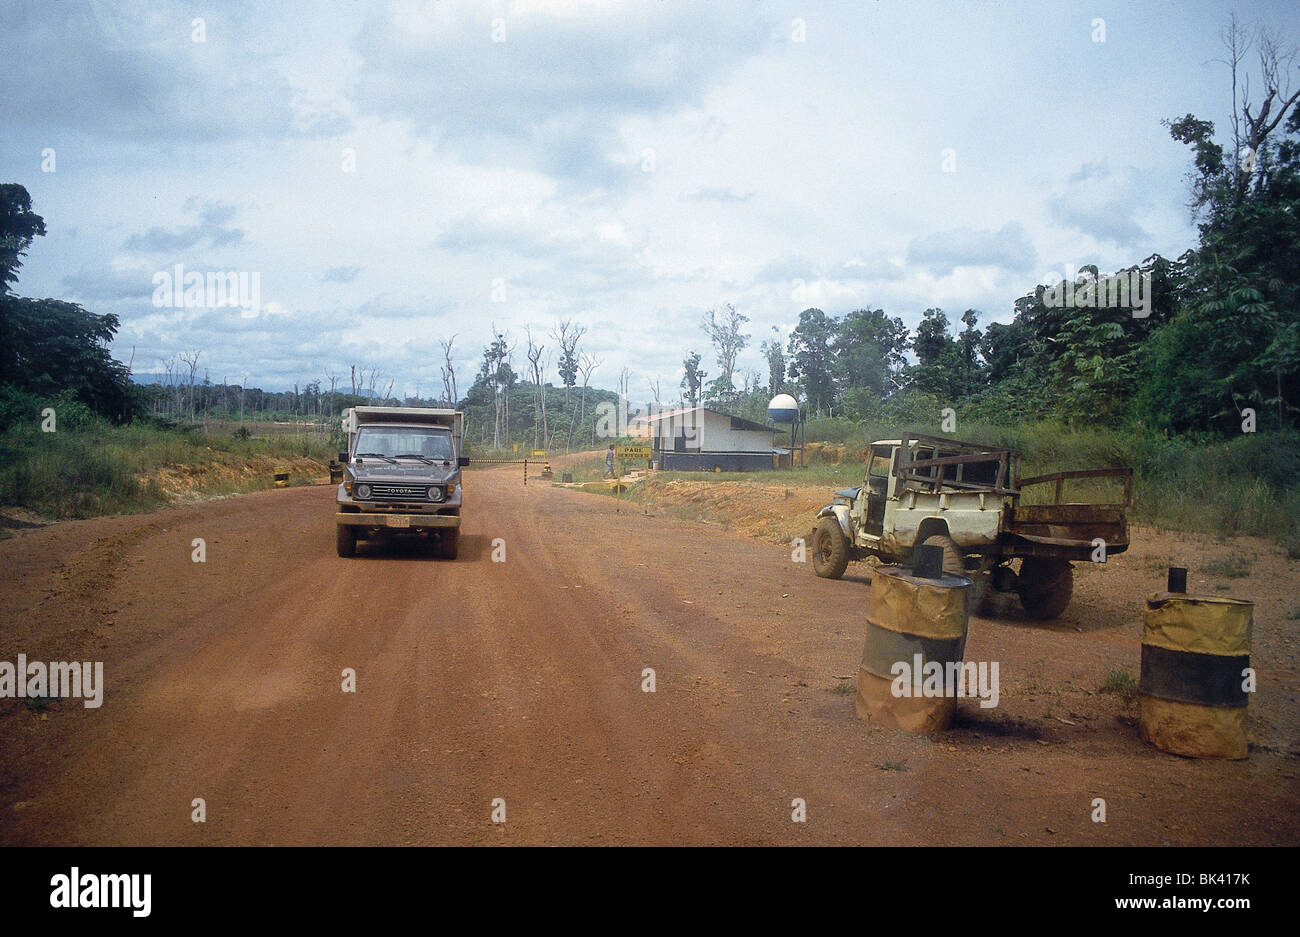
x=346, y=540
x=830, y=549
x=1045, y=586
x=952, y=559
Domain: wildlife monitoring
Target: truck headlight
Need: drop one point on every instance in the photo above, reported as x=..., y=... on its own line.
x=363, y=491
x=435, y=493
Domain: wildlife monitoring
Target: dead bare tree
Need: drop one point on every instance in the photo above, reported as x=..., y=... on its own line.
x=586, y=365
x=169, y=385
x=498, y=371
x=568, y=333
x=538, y=369
x=448, y=373
x=1250, y=131
x=191, y=360
x=334, y=380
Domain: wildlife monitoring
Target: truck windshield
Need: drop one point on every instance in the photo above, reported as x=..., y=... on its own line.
x=392, y=441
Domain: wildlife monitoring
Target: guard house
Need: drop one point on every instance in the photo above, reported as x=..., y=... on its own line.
x=702, y=440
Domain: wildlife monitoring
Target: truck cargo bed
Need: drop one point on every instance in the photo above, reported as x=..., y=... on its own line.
x=1069, y=529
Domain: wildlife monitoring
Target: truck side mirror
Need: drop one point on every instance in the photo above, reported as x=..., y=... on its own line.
x=343, y=456
x=462, y=461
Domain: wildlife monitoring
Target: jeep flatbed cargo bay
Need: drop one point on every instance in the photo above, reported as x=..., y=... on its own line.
x=402, y=477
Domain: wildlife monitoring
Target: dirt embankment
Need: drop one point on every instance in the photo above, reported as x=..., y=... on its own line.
x=775, y=513
x=226, y=474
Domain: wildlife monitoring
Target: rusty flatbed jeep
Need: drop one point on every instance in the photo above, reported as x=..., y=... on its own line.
x=969, y=499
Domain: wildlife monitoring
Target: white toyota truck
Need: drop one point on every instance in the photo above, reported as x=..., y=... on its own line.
x=402, y=477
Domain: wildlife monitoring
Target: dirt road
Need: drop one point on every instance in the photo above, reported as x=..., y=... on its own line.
x=523, y=680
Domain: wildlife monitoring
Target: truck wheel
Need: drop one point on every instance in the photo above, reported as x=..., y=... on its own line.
x=1045, y=586
x=830, y=549
x=449, y=543
x=346, y=540
x=952, y=561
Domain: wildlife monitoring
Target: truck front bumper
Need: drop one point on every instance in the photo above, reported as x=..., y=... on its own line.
x=398, y=521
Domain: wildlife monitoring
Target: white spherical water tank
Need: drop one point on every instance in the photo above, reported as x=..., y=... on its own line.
x=783, y=409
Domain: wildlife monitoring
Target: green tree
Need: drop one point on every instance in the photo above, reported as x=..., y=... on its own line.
x=811, y=359
x=724, y=331
x=692, y=379
x=775, y=356
x=1235, y=340
x=19, y=226
x=938, y=358
x=870, y=350
x=968, y=342
x=50, y=347
x=1007, y=348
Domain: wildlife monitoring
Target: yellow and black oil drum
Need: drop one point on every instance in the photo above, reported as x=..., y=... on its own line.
x=1193, y=689
x=916, y=626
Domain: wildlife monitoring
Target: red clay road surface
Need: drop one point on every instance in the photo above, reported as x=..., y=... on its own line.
x=522, y=680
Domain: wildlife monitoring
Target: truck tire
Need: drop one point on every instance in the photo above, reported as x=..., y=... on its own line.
x=346, y=539
x=1045, y=586
x=449, y=543
x=830, y=556
x=952, y=557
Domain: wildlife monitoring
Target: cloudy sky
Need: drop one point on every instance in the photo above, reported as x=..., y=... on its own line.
x=394, y=174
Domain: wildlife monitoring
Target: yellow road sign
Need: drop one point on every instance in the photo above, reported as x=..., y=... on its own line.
x=633, y=453
x=538, y=454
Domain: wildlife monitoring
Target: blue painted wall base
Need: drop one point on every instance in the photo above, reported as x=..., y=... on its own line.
x=707, y=461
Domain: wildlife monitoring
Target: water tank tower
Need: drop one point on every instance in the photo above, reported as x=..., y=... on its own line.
x=785, y=409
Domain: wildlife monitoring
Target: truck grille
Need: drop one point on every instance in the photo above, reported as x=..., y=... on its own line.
x=400, y=493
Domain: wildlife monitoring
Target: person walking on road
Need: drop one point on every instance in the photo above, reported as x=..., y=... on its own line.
x=609, y=462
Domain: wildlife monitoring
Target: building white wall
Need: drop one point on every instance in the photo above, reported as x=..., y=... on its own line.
x=668, y=429
x=710, y=432
x=720, y=437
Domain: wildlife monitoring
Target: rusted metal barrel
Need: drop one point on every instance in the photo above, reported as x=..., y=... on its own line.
x=915, y=622
x=1195, y=654
x=336, y=472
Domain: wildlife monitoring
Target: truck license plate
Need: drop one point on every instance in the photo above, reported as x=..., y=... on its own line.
x=399, y=522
